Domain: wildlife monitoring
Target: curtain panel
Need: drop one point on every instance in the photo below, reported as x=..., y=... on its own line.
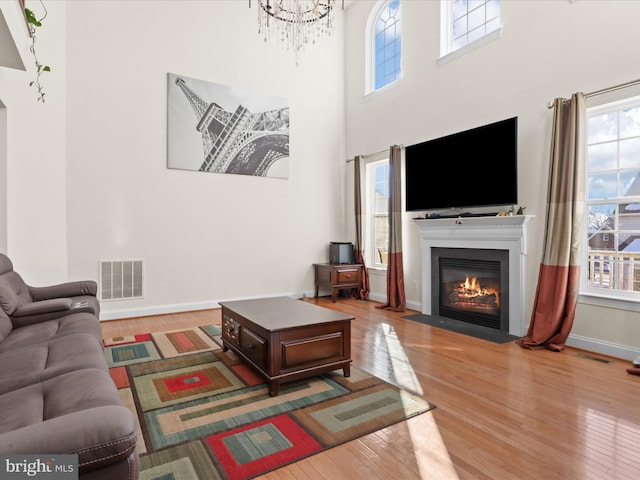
x=396, y=299
x=363, y=292
x=559, y=274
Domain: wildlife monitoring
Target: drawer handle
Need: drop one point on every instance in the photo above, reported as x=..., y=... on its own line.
x=252, y=347
x=348, y=275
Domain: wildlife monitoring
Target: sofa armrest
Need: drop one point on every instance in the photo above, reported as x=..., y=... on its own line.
x=68, y=289
x=43, y=306
x=99, y=436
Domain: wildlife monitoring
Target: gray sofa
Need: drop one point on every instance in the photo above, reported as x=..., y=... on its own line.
x=56, y=394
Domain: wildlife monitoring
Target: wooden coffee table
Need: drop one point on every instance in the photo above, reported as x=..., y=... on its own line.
x=285, y=339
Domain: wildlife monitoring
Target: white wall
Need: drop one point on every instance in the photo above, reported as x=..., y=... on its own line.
x=548, y=49
x=204, y=237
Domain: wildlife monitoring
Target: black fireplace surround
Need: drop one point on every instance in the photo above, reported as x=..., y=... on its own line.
x=471, y=285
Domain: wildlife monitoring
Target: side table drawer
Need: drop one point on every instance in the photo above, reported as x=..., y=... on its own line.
x=350, y=275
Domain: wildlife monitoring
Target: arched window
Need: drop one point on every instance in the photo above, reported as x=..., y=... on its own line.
x=384, y=45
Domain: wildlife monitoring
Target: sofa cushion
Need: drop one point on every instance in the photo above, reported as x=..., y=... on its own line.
x=76, y=413
x=5, y=264
x=13, y=292
x=21, y=337
x=46, y=360
x=5, y=325
x=9, y=300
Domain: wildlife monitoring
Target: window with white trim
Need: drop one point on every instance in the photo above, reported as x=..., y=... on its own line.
x=384, y=45
x=377, y=227
x=467, y=21
x=612, y=257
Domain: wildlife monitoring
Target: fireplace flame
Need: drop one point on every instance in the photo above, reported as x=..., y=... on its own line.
x=471, y=291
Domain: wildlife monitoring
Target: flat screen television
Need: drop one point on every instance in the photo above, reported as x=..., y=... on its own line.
x=472, y=168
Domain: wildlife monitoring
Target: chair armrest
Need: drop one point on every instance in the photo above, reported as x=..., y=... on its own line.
x=43, y=306
x=68, y=289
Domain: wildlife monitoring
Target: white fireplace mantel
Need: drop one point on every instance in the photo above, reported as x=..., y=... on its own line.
x=499, y=233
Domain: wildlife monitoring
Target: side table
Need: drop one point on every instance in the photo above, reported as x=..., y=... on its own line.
x=337, y=277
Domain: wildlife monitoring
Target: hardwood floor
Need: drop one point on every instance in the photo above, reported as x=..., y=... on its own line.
x=502, y=412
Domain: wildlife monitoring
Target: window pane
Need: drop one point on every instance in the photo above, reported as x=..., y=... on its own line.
x=602, y=128
x=458, y=9
x=394, y=9
x=629, y=216
x=602, y=157
x=459, y=42
x=493, y=9
x=460, y=27
x=601, y=217
x=627, y=177
x=493, y=24
x=602, y=186
x=476, y=34
x=630, y=123
x=476, y=18
x=379, y=42
x=630, y=153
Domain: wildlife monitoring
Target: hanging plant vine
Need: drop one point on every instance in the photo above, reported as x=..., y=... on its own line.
x=34, y=23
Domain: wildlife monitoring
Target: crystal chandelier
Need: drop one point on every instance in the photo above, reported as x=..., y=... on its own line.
x=295, y=23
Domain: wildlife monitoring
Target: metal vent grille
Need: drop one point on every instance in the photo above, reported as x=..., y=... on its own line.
x=120, y=279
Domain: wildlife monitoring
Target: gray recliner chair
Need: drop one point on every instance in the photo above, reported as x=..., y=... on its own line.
x=26, y=304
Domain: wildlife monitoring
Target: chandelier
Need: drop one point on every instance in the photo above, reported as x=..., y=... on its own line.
x=295, y=23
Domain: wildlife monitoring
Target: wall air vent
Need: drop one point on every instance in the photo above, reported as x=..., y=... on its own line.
x=121, y=279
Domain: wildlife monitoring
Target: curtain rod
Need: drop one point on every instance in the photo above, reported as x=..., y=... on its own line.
x=349, y=160
x=606, y=90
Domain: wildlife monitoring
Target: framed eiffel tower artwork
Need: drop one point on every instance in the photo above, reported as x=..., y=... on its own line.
x=223, y=129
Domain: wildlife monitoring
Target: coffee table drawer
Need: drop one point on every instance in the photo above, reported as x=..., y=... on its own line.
x=253, y=347
x=312, y=350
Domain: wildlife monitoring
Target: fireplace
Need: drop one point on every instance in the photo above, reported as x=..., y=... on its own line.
x=471, y=285
x=489, y=233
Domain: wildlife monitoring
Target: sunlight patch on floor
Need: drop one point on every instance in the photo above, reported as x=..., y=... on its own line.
x=430, y=452
x=399, y=366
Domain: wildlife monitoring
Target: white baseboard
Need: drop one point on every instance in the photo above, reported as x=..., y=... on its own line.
x=179, y=307
x=603, y=348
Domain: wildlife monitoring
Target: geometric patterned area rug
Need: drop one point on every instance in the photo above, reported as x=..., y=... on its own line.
x=203, y=414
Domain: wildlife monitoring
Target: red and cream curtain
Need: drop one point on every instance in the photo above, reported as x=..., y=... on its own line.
x=396, y=299
x=559, y=275
x=363, y=293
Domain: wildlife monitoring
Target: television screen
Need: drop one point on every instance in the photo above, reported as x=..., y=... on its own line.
x=473, y=168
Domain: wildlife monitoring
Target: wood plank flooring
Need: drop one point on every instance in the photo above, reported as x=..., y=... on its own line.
x=502, y=412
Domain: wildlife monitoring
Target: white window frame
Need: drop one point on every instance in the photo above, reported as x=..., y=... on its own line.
x=626, y=300
x=370, y=251
x=370, y=51
x=447, y=53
